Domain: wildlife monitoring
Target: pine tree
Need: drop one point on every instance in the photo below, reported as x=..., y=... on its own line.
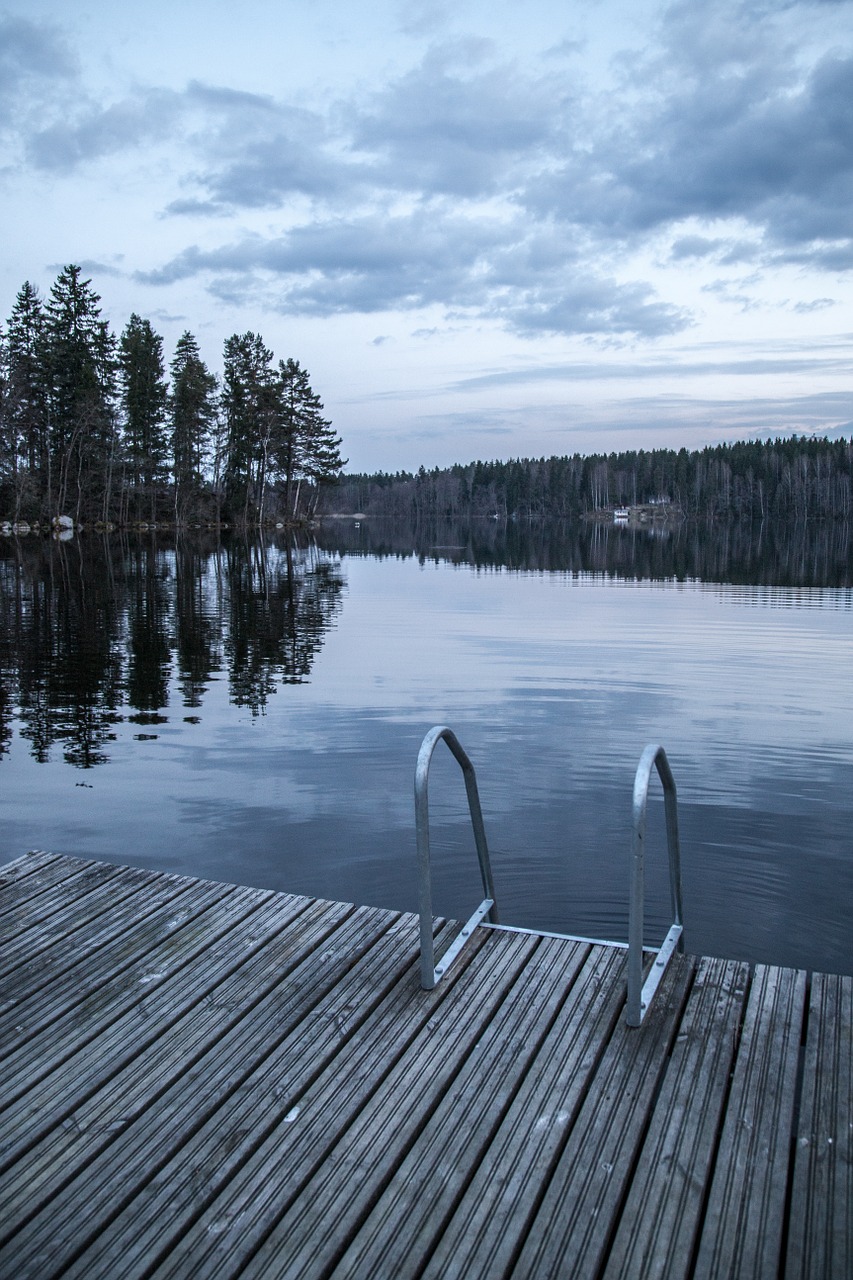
x=8, y=438
x=143, y=397
x=26, y=399
x=323, y=462
x=192, y=413
x=249, y=402
x=81, y=366
x=306, y=445
x=295, y=396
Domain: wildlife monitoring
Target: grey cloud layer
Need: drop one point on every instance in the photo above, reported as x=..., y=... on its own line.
x=488, y=187
x=656, y=371
x=478, y=265
x=36, y=65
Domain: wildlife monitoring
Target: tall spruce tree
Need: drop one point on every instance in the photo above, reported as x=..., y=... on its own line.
x=7, y=438
x=81, y=366
x=306, y=446
x=143, y=396
x=26, y=401
x=323, y=463
x=192, y=418
x=249, y=402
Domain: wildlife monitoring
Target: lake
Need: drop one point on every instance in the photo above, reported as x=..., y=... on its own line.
x=252, y=712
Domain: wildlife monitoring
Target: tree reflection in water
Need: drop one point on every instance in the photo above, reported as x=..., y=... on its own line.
x=795, y=554
x=98, y=630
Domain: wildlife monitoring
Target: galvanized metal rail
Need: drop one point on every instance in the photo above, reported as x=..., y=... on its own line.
x=431, y=973
x=640, y=994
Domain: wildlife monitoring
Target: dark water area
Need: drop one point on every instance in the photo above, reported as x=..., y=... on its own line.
x=251, y=711
x=818, y=554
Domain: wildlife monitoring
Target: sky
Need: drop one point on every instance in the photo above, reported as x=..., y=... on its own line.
x=487, y=229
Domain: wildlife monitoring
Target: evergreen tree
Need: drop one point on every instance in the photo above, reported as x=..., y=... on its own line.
x=323, y=462
x=306, y=446
x=8, y=440
x=81, y=367
x=249, y=402
x=192, y=413
x=295, y=403
x=25, y=414
x=144, y=391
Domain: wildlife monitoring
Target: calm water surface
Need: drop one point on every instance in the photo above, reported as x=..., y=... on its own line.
x=253, y=714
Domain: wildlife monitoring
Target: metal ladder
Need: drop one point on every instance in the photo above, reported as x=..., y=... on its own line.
x=430, y=973
x=639, y=993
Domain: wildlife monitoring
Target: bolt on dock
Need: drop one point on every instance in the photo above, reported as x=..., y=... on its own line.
x=208, y=1080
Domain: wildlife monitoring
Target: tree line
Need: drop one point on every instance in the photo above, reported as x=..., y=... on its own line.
x=793, y=478
x=91, y=427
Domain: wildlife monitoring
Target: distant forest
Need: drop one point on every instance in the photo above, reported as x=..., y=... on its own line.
x=92, y=429
x=798, y=478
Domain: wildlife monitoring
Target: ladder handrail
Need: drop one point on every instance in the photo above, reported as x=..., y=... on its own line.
x=430, y=974
x=640, y=994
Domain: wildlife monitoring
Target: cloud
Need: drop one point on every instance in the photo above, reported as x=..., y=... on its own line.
x=816, y=304
x=93, y=267
x=97, y=131
x=424, y=17
x=821, y=413
x=497, y=188
x=732, y=291
x=529, y=282
x=37, y=69
x=454, y=126
x=363, y=264
x=657, y=370
x=256, y=152
x=565, y=49
x=192, y=207
x=596, y=305
x=266, y=169
x=735, y=129
x=32, y=51
x=695, y=247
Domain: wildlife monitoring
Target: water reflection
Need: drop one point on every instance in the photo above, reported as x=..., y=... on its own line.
x=163, y=658
x=814, y=555
x=92, y=626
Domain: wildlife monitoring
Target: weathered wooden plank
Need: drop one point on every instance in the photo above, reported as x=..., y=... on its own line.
x=26, y=864
x=105, y=1109
x=743, y=1226
x=51, y=886
x=660, y=1222
x=281, y=1098
x=820, y=1239
x=389, y=1075
x=134, y=1127
x=570, y=1232
x=164, y=1207
x=92, y=918
x=482, y=1235
x=45, y=999
x=437, y=1139
x=91, y=1054
x=462, y=1185
x=36, y=875
x=49, y=981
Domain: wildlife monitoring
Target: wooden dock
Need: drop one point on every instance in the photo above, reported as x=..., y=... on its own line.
x=206, y=1080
